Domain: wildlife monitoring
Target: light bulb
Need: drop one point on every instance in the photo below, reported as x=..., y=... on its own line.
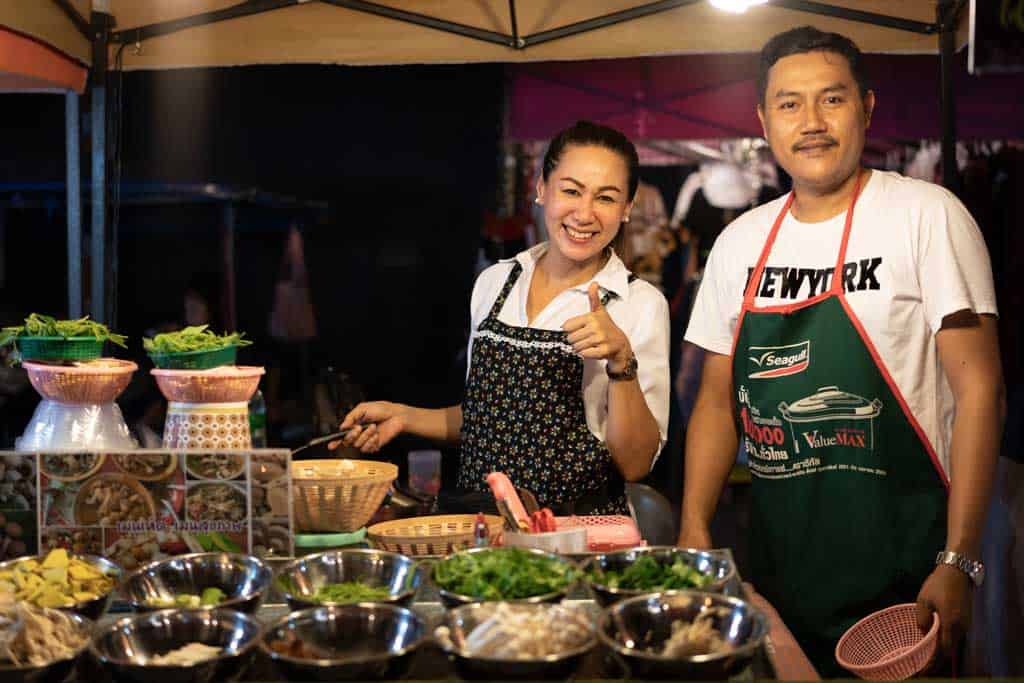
x=736, y=6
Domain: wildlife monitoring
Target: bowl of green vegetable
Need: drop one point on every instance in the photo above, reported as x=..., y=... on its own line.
x=640, y=571
x=199, y=581
x=339, y=577
x=508, y=574
x=194, y=348
x=46, y=339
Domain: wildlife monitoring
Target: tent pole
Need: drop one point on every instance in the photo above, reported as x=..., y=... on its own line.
x=98, y=103
x=849, y=14
x=74, y=187
x=229, y=299
x=947, y=11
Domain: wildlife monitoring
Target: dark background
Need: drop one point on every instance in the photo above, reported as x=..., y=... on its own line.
x=405, y=159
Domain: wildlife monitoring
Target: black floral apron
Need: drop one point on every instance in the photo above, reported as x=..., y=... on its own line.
x=523, y=415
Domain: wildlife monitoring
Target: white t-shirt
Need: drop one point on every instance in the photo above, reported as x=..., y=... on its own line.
x=915, y=256
x=639, y=310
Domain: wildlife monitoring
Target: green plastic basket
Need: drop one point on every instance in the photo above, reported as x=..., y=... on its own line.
x=195, y=360
x=59, y=348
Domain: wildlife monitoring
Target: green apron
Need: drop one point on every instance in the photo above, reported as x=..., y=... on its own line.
x=849, y=501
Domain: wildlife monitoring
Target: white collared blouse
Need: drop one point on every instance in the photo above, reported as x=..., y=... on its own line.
x=637, y=307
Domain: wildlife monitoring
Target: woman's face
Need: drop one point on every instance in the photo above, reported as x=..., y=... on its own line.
x=585, y=201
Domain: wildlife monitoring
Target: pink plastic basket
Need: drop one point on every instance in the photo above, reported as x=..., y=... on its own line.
x=97, y=381
x=604, y=532
x=226, y=384
x=888, y=645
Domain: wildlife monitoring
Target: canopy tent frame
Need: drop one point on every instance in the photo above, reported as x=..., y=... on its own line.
x=511, y=40
x=99, y=31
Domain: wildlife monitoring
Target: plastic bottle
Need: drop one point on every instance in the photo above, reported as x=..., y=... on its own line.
x=258, y=420
x=481, y=534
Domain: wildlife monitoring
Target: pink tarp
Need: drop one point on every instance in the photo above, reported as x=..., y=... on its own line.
x=699, y=97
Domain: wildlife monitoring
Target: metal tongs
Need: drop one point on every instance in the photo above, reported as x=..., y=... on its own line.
x=320, y=440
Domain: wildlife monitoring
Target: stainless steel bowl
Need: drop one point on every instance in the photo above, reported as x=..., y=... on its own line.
x=461, y=621
x=718, y=569
x=91, y=609
x=299, y=580
x=244, y=579
x=52, y=672
x=123, y=648
x=636, y=628
x=356, y=642
x=450, y=599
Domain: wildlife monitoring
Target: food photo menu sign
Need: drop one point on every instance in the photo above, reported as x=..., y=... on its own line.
x=134, y=507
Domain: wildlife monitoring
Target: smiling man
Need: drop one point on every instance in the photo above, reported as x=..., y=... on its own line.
x=852, y=347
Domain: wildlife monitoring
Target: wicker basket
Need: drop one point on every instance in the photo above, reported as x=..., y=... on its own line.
x=99, y=381
x=338, y=495
x=226, y=384
x=435, y=535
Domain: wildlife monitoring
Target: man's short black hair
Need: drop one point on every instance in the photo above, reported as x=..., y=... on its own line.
x=809, y=39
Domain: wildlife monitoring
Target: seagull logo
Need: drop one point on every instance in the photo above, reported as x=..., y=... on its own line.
x=779, y=361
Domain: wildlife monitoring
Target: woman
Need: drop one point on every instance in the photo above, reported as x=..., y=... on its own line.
x=568, y=384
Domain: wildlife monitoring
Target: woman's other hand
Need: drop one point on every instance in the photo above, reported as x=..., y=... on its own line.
x=595, y=334
x=373, y=425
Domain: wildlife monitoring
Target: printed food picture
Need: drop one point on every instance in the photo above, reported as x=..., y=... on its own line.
x=102, y=504
x=17, y=506
x=215, y=466
x=85, y=490
x=271, y=506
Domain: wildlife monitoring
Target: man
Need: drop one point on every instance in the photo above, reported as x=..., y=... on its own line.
x=843, y=324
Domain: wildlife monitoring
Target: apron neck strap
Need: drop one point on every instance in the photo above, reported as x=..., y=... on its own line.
x=837, y=275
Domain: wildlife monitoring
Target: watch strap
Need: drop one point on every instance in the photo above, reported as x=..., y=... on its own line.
x=972, y=568
x=628, y=373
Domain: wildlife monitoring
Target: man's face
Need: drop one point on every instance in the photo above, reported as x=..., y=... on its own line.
x=815, y=118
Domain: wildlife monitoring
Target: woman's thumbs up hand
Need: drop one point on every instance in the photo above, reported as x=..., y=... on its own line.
x=595, y=335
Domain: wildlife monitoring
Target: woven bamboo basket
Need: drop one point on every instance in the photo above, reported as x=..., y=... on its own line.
x=338, y=495
x=435, y=535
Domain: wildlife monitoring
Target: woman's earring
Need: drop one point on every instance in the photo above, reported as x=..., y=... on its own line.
x=536, y=200
x=626, y=219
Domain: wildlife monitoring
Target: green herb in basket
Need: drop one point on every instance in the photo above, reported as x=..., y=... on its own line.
x=647, y=573
x=502, y=574
x=37, y=325
x=196, y=338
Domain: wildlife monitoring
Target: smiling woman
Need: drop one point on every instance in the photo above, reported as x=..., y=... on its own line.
x=567, y=391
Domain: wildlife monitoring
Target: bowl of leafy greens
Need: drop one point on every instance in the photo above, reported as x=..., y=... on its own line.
x=656, y=569
x=507, y=574
x=46, y=339
x=355, y=575
x=194, y=348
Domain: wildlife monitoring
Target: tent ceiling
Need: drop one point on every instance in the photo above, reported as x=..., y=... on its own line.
x=315, y=31
x=28, y=65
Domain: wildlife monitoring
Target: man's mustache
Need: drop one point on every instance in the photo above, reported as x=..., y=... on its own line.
x=815, y=142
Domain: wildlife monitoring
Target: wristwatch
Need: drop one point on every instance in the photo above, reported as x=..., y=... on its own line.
x=628, y=372
x=975, y=570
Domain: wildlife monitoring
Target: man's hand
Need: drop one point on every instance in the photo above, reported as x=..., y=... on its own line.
x=946, y=591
